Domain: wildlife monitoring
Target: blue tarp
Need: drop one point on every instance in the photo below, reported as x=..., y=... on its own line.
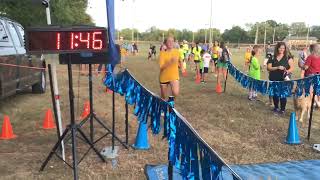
x=160, y=172
x=293, y=170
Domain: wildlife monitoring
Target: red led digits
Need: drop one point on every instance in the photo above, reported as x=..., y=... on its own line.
x=58, y=40
x=95, y=41
x=72, y=38
x=85, y=40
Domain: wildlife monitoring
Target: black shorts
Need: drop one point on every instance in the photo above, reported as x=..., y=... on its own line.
x=196, y=61
x=205, y=70
x=215, y=60
x=166, y=83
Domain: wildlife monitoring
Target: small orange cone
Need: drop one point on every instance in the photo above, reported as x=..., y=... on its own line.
x=184, y=69
x=86, y=110
x=184, y=73
x=108, y=91
x=48, y=122
x=198, y=79
x=7, y=132
x=219, y=88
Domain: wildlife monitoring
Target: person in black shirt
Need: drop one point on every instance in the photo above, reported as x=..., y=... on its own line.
x=279, y=66
x=152, y=52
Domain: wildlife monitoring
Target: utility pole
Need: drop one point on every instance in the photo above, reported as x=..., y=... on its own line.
x=46, y=3
x=307, y=43
x=210, y=30
x=192, y=36
x=133, y=12
x=257, y=32
x=137, y=36
x=205, y=34
x=162, y=36
x=265, y=36
x=274, y=33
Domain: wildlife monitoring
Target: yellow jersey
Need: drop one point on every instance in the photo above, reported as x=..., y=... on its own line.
x=181, y=52
x=185, y=48
x=197, y=54
x=247, y=57
x=171, y=72
x=215, y=52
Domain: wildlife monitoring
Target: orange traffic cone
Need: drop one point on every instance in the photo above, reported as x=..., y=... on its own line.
x=198, y=79
x=184, y=72
x=7, y=132
x=86, y=110
x=48, y=122
x=184, y=69
x=218, y=88
x=108, y=91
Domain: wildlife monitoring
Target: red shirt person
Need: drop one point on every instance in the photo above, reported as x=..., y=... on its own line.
x=312, y=64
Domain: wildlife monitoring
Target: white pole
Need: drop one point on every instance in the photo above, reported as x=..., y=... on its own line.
x=55, y=87
x=205, y=36
x=265, y=36
x=210, y=30
x=307, y=43
x=162, y=36
x=274, y=33
x=133, y=16
x=192, y=36
x=48, y=15
x=257, y=32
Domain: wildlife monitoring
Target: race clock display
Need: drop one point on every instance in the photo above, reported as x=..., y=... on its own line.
x=66, y=39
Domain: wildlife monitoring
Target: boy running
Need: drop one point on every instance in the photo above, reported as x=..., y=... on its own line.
x=206, y=58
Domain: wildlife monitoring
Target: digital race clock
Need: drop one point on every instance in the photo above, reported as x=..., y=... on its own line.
x=75, y=39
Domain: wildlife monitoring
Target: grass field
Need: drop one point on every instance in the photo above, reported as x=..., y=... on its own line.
x=241, y=131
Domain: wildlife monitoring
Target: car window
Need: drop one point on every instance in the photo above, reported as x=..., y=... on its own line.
x=21, y=31
x=14, y=35
x=3, y=35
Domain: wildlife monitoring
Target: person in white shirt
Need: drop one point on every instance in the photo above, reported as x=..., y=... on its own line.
x=206, y=57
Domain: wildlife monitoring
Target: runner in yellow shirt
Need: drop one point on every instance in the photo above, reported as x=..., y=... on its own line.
x=196, y=51
x=247, y=57
x=169, y=71
x=215, y=56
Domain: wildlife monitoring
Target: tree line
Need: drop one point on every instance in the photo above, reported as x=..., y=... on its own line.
x=273, y=31
x=73, y=12
x=32, y=12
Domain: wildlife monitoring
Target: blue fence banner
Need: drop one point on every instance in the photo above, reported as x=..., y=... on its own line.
x=277, y=88
x=190, y=154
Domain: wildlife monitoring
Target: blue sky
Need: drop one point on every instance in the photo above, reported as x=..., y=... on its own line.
x=195, y=14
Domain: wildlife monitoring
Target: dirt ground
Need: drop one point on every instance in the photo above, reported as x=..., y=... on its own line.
x=241, y=131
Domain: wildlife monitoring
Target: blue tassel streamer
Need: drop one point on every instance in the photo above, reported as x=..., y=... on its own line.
x=194, y=158
x=185, y=149
x=276, y=88
x=316, y=84
x=172, y=136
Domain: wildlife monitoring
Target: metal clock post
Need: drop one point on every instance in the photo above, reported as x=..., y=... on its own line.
x=46, y=3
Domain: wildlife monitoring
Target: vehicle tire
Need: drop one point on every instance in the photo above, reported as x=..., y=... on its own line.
x=40, y=87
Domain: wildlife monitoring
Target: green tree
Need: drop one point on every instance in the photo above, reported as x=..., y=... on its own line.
x=235, y=35
x=315, y=32
x=280, y=31
x=32, y=12
x=298, y=29
x=126, y=34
